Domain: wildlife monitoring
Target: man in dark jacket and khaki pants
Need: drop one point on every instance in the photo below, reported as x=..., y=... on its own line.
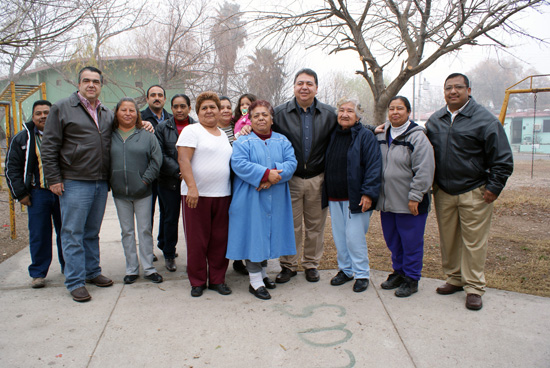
x=308, y=124
x=473, y=160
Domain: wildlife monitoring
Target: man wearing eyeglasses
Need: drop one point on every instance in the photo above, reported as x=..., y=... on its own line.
x=75, y=155
x=473, y=161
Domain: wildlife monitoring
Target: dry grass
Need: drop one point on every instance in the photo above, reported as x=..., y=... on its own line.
x=518, y=257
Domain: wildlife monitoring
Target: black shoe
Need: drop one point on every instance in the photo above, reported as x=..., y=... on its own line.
x=340, y=279
x=260, y=293
x=239, y=267
x=154, y=277
x=223, y=289
x=360, y=285
x=130, y=279
x=155, y=258
x=170, y=265
x=285, y=275
x=176, y=255
x=394, y=281
x=197, y=290
x=407, y=287
x=312, y=275
x=269, y=283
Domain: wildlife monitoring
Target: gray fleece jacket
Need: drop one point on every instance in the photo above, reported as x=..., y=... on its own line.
x=135, y=164
x=407, y=170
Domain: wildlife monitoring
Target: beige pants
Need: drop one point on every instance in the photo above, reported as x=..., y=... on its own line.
x=464, y=222
x=308, y=215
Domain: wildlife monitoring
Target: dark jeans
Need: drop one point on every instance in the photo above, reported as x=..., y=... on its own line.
x=169, y=205
x=44, y=209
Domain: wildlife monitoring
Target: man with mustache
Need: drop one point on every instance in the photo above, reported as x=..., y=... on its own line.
x=25, y=178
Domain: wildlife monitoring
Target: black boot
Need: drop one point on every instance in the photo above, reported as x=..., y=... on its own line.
x=394, y=281
x=407, y=288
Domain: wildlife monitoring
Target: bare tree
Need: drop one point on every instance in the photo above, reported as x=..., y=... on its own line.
x=29, y=29
x=414, y=33
x=178, y=41
x=266, y=76
x=228, y=35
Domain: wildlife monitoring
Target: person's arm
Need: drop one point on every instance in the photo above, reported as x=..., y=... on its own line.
x=155, y=161
x=499, y=158
x=372, y=159
x=185, y=154
x=423, y=168
x=288, y=166
x=15, y=167
x=169, y=166
x=52, y=142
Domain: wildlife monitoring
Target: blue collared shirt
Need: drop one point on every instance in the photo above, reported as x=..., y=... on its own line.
x=307, y=127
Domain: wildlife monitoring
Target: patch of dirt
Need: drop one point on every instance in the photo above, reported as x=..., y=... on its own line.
x=8, y=246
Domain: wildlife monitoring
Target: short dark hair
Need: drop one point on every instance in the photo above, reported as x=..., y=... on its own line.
x=454, y=75
x=207, y=96
x=183, y=96
x=402, y=98
x=90, y=69
x=225, y=98
x=263, y=103
x=40, y=103
x=156, y=85
x=309, y=72
x=139, y=123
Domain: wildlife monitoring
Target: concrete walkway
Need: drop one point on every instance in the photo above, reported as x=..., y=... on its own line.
x=303, y=325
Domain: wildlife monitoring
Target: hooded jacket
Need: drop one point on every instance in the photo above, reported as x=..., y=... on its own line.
x=21, y=162
x=407, y=170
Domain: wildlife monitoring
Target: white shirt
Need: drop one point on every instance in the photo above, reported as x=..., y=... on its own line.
x=210, y=161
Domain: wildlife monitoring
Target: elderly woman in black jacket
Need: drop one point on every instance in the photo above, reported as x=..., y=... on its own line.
x=352, y=182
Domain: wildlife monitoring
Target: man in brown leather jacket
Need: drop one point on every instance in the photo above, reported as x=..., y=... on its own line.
x=75, y=155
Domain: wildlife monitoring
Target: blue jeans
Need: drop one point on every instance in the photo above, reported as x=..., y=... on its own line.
x=44, y=208
x=82, y=209
x=348, y=231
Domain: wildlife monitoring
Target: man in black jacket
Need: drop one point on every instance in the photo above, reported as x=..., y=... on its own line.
x=308, y=124
x=25, y=178
x=155, y=114
x=473, y=161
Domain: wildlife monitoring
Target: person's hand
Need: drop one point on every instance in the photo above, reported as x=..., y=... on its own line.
x=57, y=189
x=379, y=129
x=263, y=186
x=246, y=130
x=274, y=176
x=26, y=201
x=192, y=197
x=413, y=207
x=148, y=126
x=489, y=196
x=365, y=203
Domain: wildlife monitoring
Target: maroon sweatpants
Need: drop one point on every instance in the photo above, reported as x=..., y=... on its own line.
x=206, y=228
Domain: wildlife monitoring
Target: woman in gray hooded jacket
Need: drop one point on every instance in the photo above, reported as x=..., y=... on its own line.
x=407, y=176
x=135, y=163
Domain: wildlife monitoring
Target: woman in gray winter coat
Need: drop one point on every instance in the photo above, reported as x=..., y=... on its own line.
x=407, y=176
x=135, y=163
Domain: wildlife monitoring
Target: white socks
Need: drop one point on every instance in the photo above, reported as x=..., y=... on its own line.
x=256, y=279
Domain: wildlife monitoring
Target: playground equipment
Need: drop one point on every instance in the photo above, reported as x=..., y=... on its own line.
x=11, y=99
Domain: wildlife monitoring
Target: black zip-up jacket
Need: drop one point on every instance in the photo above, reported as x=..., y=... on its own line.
x=73, y=147
x=167, y=135
x=288, y=122
x=148, y=115
x=21, y=162
x=471, y=151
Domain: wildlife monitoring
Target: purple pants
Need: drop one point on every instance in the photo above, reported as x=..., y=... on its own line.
x=404, y=235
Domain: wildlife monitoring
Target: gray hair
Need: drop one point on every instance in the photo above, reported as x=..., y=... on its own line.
x=359, y=111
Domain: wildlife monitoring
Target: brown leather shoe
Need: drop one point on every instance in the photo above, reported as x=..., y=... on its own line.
x=100, y=281
x=81, y=295
x=473, y=301
x=170, y=264
x=448, y=289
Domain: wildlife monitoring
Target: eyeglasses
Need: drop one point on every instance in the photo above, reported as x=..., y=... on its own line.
x=458, y=87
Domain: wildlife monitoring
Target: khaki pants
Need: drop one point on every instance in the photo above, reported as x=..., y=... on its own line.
x=464, y=222
x=306, y=197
